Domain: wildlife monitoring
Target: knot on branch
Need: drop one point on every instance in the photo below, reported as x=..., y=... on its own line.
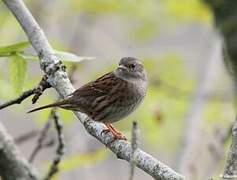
x=50, y=67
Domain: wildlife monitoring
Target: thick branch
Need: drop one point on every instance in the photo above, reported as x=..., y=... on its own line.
x=12, y=165
x=50, y=64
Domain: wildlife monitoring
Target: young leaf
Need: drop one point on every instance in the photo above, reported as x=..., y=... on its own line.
x=17, y=72
x=29, y=57
x=66, y=56
x=13, y=48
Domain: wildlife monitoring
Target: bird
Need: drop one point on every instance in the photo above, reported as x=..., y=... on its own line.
x=111, y=97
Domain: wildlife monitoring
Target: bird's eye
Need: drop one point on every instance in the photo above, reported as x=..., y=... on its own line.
x=132, y=66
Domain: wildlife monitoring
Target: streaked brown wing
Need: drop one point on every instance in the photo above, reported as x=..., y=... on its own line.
x=86, y=98
x=99, y=87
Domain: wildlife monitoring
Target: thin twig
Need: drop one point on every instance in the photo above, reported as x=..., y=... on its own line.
x=18, y=100
x=29, y=135
x=43, y=84
x=61, y=146
x=134, y=142
x=40, y=144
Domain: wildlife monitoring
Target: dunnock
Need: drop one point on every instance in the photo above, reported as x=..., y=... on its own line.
x=111, y=97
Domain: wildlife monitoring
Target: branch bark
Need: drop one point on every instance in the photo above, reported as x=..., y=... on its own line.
x=51, y=65
x=12, y=164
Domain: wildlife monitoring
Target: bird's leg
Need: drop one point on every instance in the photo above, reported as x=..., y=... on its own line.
x=116, y=134
x=112, y=127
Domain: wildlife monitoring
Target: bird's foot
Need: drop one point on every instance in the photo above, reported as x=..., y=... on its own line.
x=115, y=133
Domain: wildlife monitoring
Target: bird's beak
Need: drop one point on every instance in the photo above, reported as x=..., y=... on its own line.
x=122, y=67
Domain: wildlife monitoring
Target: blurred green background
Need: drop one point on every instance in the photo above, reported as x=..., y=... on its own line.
x=185, y=118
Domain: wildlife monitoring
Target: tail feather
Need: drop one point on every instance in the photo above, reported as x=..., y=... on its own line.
x=57, y=104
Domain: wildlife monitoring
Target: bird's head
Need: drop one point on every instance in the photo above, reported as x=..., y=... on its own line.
x=130, y=69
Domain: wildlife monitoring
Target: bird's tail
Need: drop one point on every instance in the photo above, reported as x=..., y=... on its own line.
x=57, y=104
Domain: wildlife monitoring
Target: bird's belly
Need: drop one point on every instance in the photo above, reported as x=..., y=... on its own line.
x=118, y=112
x=123, y=105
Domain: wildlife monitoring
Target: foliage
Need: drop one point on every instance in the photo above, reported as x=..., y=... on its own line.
x=18, y=62
x=17, y=72
x=66, y=56
x=14, y=48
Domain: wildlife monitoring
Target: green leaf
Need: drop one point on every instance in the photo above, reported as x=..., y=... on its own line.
x=13, y=48
x=66, y=56
x=62, y=55
x=29, y=57
x=17, y=71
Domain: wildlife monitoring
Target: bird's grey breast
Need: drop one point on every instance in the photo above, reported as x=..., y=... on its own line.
x=127, y=101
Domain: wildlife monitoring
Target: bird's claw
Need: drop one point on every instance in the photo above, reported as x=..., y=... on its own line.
x=116, y=135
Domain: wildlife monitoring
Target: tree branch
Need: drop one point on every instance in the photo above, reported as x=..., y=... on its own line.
x=230, y=171
x=26, y=136
x=61, y=146
x=37, y=91
x=41, y=138
x=51, y=65
x=18, y=100
x=134, y=142
x=12, y=165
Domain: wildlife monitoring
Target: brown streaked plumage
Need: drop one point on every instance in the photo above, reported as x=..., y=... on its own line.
x=111, y=97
